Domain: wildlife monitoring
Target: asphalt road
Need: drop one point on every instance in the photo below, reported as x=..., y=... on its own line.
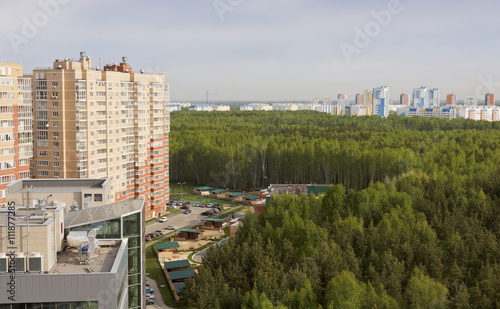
x=180, y=220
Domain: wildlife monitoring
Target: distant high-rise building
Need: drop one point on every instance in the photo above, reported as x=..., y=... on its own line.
x=359, y=99
x=367, y=98
x=404, y=99
x=489, y=99
x=424, y=97
x=434, y=97
x=381, y=98
x=470, y=102
x=16, y=116
x=342, y=99
x=451, y=99
x=420, y=97
x=112, y=123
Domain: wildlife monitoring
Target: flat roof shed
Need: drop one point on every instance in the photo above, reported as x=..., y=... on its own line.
x=176, y=264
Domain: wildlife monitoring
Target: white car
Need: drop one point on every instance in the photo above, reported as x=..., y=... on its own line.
x=171, y=227
x=163, y=219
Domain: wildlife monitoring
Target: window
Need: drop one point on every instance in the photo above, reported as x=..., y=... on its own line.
x=54, y=84
x=55, y=104
x=97, y=197
x=55, y=114
x=56, y=154
x=43, y=173
x=43, y=163
x=56, y=144
x=55, y=124
x=43, y=153
x=55, y=135
x=56, y=164
x=56, y=174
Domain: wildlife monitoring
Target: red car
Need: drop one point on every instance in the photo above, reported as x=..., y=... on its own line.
x=184, y=207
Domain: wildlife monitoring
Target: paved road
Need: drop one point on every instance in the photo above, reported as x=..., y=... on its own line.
x=180, y=220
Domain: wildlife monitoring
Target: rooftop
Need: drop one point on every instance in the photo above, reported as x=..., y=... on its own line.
x=235, y=194
x=101, y=262
x=177, y=264
x=56, y=185
x=252, y=197
x=203, y=188
x=218, y=191
x=101, y=213
x=181, y=274
x=179, y=286
x=214, y=220
x=168, y=245
x=190, y=230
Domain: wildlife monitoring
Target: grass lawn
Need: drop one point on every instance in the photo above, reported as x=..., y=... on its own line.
x=154, y=272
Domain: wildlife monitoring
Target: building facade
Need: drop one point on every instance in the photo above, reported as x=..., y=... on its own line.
x=489, y=99
x=381, y=98
x=451, y=99
x=91, y=258
x=110, y=123
x=404, y=99
x=16, y=137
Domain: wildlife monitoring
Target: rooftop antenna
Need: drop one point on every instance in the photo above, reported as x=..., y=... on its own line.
x=100, y=64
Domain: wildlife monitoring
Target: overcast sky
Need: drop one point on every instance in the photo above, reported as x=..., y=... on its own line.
x=270, y=49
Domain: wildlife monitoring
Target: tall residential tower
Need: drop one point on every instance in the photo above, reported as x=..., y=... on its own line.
x=111, y=123
x=16, y=119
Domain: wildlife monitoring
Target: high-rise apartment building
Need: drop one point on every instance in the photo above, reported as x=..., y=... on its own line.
x=451, y=99
x=470, y=102
x=489, y=99
x=424, y=97
x=381, y=98
x=111, y=123
x=434, y=97
x=404, y=99
x=16, y=119
x=367, y=98
x=359, y=99
x=420, y=97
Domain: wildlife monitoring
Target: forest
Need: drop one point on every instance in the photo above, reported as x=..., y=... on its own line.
x=410, y=220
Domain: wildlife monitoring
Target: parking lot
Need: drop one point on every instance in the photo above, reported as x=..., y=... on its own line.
x=180, y=220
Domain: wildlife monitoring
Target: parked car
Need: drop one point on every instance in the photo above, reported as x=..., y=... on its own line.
x=171, y=227
x=187, y=211
x=150, y=296
x=147, y=238
x=163, y=219
x=207, y=213
x=203, y=205
x=150, y=301
x=216, y=204
x=160, y=232
x=149, y=289
x=215, y=210
x=185, y=207
x=210, y=205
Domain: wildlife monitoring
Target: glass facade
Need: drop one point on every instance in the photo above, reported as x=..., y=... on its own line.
x=132, y=231
x=132, y=228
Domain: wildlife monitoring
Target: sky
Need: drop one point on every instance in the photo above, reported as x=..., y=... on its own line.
x=269, y=50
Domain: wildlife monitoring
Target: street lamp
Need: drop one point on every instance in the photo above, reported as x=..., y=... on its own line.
x=181, y=183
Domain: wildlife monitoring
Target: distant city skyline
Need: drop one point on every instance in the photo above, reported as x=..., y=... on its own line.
x=270, y=50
